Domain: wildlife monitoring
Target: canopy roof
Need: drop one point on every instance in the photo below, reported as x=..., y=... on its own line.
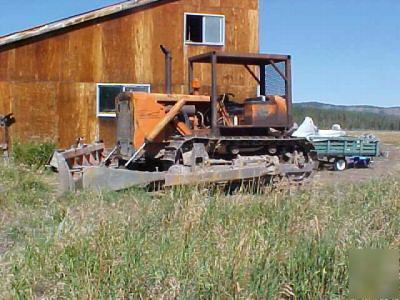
x=239, y=58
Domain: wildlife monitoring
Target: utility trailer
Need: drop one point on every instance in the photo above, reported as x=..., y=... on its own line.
x=341, y=152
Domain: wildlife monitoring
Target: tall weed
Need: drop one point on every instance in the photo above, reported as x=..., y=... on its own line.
x=32, y=154
x=193, y=243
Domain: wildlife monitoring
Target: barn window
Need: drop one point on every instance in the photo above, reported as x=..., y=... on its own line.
x=204, y=29
x=107, y=92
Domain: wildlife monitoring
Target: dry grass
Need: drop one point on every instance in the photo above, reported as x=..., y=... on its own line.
x=187, y=243
x=386, y=137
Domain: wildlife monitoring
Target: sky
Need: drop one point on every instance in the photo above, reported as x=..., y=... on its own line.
x=343, y=51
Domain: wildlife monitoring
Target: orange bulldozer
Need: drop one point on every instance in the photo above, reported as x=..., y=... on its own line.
x=172, y=139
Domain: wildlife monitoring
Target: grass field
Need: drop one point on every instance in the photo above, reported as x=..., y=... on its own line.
x=187, y=243
x=387, y=137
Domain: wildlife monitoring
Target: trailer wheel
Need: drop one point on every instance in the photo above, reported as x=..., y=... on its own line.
x=340, y=164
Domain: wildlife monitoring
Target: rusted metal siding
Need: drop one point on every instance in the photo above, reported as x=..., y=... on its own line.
x=49, y=82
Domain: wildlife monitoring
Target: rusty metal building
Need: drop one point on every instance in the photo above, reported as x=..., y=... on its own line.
x=60, y=79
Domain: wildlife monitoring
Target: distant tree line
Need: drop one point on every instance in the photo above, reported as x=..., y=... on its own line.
x=325, y=118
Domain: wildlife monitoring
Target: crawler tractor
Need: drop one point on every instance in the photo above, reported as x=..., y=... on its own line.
x=170, y=139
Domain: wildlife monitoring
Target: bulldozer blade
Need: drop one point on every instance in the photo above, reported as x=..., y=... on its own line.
x=66, y=180
x=217, y=174
x=103, y=178
x=288, y=169
x=82, y=168
x=71, y=163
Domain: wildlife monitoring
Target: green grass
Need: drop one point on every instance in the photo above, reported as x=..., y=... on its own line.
x=32, y=154
x=187, y=243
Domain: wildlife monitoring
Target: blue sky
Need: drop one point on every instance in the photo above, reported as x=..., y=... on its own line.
x=344, y=51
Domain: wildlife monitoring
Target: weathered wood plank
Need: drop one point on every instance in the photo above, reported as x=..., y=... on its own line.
x=50, y=82
x=35, y=108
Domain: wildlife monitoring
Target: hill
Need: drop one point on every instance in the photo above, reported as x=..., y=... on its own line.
x=393, y=111
x=349, y=117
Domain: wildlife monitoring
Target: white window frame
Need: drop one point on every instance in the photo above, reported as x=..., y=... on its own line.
x=222, y=43
x=124, y=86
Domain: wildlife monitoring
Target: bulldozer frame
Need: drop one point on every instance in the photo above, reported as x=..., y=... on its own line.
x=169, y=139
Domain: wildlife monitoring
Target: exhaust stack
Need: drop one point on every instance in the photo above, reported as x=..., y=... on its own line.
x=168, y=69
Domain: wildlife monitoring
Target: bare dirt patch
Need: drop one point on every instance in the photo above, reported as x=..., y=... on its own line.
x=382, y=167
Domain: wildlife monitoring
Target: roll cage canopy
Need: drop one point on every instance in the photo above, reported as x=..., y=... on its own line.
x=246, y=60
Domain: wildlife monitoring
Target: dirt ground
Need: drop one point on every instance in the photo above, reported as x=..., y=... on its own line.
x=382, y=167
